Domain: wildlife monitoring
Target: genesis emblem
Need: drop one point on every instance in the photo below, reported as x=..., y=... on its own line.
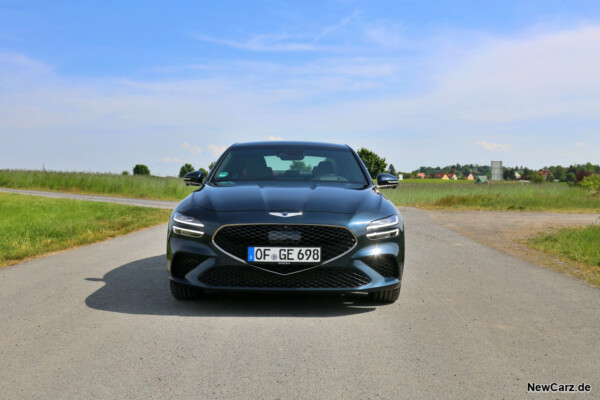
x=285, y=214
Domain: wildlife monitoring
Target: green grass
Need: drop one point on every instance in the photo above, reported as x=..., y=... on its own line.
x=510, y=196
x=580, y=246
x=145, y=187
x=31, y=226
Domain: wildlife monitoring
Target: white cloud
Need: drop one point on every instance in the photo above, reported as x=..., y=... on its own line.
x=532, y=86
x=492, y=146
x=274, y=138
x=266, y=43
x=579, y=144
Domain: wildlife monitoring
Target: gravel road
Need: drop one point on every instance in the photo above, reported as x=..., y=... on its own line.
x=471, y=322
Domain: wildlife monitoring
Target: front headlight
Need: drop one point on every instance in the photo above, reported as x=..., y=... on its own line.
x=181, y=219
x=377, y=229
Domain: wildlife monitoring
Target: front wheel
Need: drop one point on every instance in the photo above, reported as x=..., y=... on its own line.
x=385, y=296
x=184, y=292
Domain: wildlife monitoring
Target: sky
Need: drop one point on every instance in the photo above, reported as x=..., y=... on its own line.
x=102, y=86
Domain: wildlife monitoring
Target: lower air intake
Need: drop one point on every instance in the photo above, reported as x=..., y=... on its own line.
x=317, y=278
x=185, y=262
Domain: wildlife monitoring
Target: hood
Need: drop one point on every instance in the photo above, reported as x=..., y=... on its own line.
x=309, y=198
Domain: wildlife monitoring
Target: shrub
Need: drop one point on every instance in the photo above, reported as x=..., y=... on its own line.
x=591, y=182
x=125, y=173
x=537, y=178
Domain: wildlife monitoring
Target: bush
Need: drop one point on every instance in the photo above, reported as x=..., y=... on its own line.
x=185, y=168
x=141, y=169
x=125, y=173
x=537, y=178
x=592, y=183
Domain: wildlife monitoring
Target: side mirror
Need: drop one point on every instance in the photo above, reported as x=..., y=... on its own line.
x=194, y=178
x=386, y=181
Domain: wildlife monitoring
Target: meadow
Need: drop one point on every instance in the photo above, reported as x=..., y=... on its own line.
x=578, y=245
x=507, y=196
x=424, y=193
x=135, y=186
x=31, y=226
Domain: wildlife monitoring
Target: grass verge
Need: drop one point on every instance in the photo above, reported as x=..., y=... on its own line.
x=499, y=196
x=31, y=226
x=580, y=247
x=134, y=186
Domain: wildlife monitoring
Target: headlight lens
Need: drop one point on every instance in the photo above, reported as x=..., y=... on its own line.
x=186, y=219
x=179, y=218
x=383, y=222
x=377, y=229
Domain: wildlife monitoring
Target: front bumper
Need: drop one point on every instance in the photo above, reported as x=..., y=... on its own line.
x=209, y=268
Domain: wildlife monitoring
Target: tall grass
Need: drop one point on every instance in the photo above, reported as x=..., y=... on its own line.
x=137, y=186
x=495, y=196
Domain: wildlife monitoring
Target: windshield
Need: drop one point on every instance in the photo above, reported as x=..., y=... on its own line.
x=291, y=163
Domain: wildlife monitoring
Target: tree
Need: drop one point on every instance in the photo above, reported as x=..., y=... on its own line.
x=212, y=164
x=185, y=168
x=205, y=172
x=125, y=172
x=373, y=162
x=141, y=169
x=392, y=170
x=537, y=178
x=298, y=165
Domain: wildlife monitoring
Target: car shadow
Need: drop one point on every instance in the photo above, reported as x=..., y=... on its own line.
x=142, y=287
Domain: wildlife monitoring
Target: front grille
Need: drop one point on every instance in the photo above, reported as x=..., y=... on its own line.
x=385, y=265
x=185, y=262
x=316, y=278
x=333, y=241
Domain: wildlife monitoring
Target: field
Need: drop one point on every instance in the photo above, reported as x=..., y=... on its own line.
x=138, y=186
x=437, y=194
x=424, y=193
x=580, y=246
x=32, y=226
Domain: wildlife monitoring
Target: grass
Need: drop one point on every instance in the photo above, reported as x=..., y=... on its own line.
x=31, y=226
x=579, y=246
x=425, y=193
x=510, y=196
x=144, y=187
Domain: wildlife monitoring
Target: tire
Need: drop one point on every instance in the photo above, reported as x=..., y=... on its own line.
x=184, y=292
x=385, y=296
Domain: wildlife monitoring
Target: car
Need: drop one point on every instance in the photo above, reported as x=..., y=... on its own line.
x=286, y=217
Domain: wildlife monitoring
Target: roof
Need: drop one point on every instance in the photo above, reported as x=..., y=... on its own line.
x=281, y=143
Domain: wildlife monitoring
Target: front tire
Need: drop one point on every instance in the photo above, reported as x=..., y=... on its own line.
x=385, y=296
x=184, y=292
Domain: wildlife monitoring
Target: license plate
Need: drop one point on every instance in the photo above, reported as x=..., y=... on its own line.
x=284, y=254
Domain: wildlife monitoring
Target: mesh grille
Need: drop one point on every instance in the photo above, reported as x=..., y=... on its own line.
x=185, y=262
x=317, y=278
x=332, y=240
x=386, y=265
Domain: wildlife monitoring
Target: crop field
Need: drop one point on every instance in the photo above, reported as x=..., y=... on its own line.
x=32, y=226
x=494, y=196
x=580, y=246
x=134, y=186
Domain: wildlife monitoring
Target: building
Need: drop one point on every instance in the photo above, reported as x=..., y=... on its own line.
x=470, y=177
x=497, y=171
x=421, y=175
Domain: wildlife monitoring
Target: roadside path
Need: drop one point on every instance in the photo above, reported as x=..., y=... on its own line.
x=104, y=199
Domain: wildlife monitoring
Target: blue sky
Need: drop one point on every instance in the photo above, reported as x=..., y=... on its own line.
x=101, y=86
